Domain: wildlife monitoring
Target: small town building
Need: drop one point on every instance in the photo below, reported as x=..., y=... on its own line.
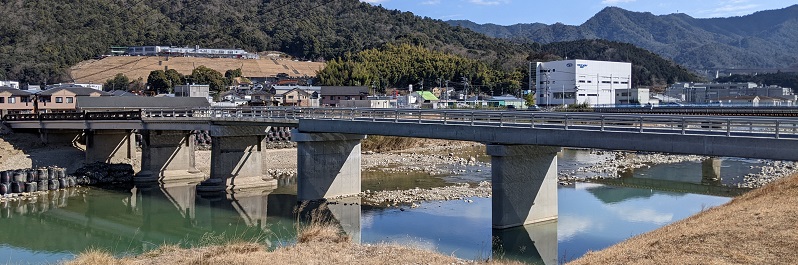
x=332, y=95
x=138, y=103
x=507, y=101
x=11, y=84
x=297, y=97
x=15, y=101
x=63, y=98
x=581, y=82
x=194, y=91
x=708, y=93
x=634, y=96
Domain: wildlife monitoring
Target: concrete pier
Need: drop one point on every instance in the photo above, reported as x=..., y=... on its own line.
x=710, y=171
x=328, y=164
x=167, y=156
x=524, y=184
x=236, y=164
x=109, y=146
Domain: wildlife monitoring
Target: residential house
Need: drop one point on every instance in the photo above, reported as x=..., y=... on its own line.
x=137, y=103
x=63, y=98
x=506, y=101
x=332, y=95
x=423, y=99
x=297, y=97
x=201, y=91
x=13, y=101
x=262, y=98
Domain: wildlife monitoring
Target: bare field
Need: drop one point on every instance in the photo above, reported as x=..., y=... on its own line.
x=134, y=67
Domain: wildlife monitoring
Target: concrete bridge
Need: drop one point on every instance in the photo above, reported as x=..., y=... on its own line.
x=523, y=145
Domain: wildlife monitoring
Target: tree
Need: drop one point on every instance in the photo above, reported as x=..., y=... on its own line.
x=230, y=74
x=175, y=78
x=206, y=76
x=119, y=82
x=530, y=99
x=158, y=81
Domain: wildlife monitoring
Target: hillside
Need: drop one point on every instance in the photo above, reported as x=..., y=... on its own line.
x=41, y=39
x=765, y=39
x=98, y=71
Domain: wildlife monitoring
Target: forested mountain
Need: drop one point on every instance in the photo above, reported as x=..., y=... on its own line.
x=765, y=39
x=41, y=39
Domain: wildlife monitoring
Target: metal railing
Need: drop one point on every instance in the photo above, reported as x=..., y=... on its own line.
x=778, y=128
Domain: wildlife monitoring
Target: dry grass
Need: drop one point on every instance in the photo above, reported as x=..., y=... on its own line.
x=756, y=228
x=97, y=71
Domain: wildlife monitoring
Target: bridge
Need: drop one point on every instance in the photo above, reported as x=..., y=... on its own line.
x=523, y=145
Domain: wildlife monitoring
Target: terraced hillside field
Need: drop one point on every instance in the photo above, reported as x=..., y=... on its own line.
x=98, y=71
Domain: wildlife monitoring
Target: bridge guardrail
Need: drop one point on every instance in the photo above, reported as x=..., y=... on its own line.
x=634, y=123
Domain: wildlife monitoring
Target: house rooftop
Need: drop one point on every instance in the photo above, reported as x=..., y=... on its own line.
x=141, y=102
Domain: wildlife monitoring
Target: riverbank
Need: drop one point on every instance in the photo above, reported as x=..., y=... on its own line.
x=317, y=243
x=755, y=228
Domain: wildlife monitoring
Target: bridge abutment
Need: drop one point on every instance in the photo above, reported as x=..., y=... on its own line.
x=328, y=164
x=524, y=184
x=109, y=146
x=167, y=156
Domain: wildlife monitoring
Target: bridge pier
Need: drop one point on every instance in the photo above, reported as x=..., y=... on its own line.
x=710, y=171
x=167, y=156
x=237, y=159
x=109, y=146
x=524, y=184
x=328, y=164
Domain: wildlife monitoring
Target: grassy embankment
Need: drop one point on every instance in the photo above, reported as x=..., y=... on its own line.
x=758, y=227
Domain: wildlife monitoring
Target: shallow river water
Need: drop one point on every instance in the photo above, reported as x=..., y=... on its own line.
x=592, y=216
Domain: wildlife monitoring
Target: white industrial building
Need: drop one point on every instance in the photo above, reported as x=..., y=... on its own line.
x=581, y=81
x=11, y=84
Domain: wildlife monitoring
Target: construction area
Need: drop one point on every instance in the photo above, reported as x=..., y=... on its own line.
x=134, y=67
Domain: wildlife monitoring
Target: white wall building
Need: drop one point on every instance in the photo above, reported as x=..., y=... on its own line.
x=581, y=81
x=11, y=84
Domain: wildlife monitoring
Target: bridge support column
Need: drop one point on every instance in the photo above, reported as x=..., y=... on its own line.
x=236, y=164
x=524, y=184
x=710, y=171
x=328, y=164
x=167, y=156
x=110, y=146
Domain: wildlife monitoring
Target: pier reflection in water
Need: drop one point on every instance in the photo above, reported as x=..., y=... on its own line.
x=593, y=216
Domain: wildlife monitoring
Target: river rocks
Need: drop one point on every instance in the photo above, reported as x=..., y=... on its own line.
x=100, y=173
x=414, y=197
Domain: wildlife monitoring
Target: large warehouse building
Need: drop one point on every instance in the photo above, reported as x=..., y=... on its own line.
x=582, y=81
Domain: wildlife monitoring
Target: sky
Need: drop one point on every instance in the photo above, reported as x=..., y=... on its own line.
x=570, y=12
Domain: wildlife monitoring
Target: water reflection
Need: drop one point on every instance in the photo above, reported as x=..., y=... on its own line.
x=592, y=217
x=533, y=244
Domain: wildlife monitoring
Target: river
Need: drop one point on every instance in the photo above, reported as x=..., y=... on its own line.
x=55, y=226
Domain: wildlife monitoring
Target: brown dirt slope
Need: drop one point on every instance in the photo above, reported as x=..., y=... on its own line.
x=756, y=228
x=98, y=71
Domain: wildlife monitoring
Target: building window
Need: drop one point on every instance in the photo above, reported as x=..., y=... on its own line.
x=2, y=100
x=606, y=82
x=589, y=81
x=581, y=81
x=12, y=100
x=59, y=100
x=70, y=100
x=290, y=97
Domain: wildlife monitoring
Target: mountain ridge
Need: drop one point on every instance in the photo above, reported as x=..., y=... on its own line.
x=764, y=39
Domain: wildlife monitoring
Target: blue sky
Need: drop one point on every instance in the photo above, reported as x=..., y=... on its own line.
x=571, y=12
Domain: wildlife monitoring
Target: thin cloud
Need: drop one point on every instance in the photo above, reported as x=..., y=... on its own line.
x=489, y=3
x=431, y=2
x=615, y=2
x=732, y=8
x=374, y=1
